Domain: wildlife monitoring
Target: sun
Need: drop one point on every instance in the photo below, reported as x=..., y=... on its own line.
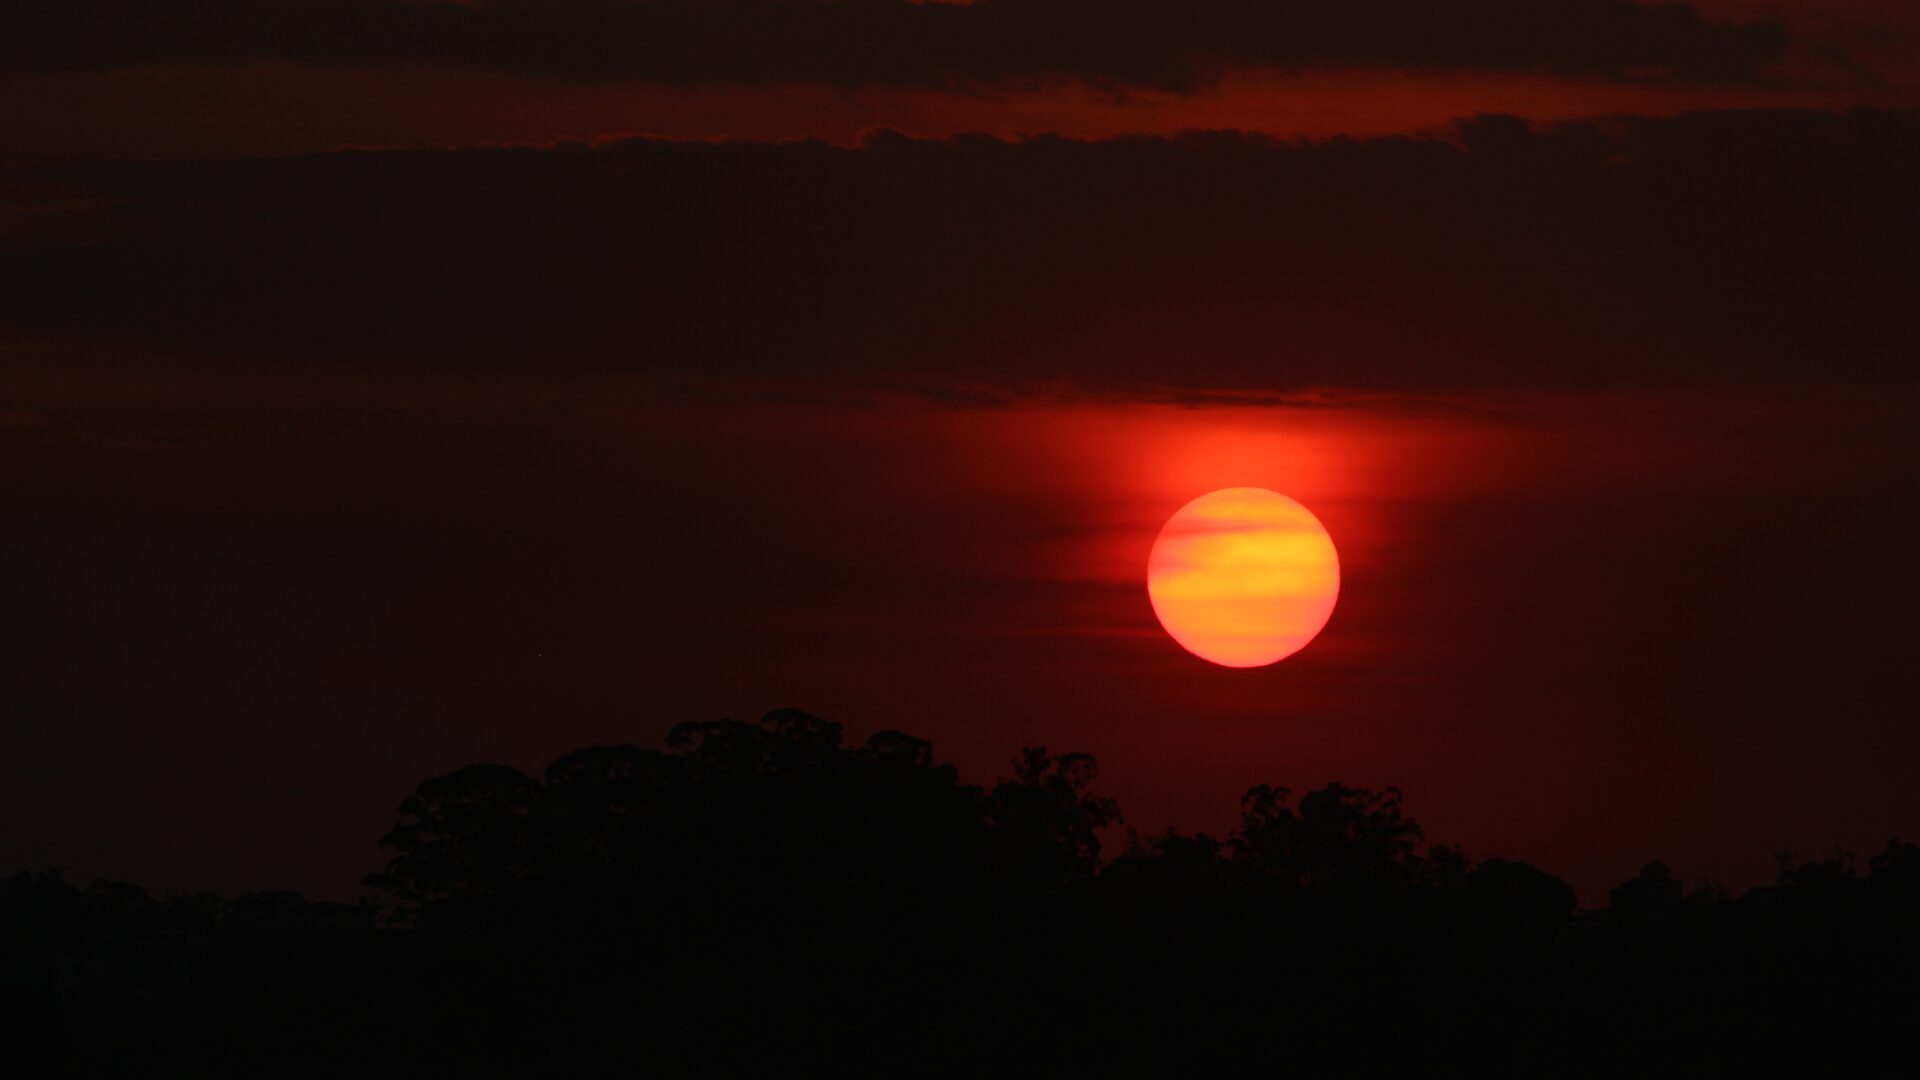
x=1243, y=577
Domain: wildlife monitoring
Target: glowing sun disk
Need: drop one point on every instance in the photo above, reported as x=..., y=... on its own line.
x=1243, y=577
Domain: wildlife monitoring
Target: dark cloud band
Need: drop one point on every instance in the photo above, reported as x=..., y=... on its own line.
x=1169, y=44
x=1716, y=246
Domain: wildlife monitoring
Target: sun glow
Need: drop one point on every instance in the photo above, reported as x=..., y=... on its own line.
x=1243, y=577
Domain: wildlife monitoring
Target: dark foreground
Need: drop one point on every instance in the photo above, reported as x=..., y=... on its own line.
x=761, y=900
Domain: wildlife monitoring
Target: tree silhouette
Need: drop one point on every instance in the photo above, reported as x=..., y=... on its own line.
x=464, y=844
x=1519, y=896
x=1650, y=894
x=1894, y=874
x=762, y=896
x=1047, y=818
x=1337, y=837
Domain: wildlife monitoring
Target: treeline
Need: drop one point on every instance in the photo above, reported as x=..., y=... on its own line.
x=761, y=897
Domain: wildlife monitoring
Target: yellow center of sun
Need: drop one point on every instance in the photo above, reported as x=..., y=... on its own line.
x=1243, y=576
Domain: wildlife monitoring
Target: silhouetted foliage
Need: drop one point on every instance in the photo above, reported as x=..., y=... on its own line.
x=1652, y=893
x=465, y=840
x=1338, y=837
x=764, y=898
x=1521, y=897
x=1894, y=874
x=1047, y=820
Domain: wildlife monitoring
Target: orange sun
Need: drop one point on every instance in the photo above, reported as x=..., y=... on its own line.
x=1243, y=576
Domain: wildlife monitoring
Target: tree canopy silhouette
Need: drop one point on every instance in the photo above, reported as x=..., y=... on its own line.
x=761, y=896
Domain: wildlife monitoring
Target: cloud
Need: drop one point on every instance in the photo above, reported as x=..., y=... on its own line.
x=1736, y=246
x=1164, y=44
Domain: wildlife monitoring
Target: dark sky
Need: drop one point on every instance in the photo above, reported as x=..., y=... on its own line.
x=390, y=386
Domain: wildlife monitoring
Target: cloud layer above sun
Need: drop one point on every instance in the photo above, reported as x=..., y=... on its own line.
x=1610, y=253
x=1173, y=44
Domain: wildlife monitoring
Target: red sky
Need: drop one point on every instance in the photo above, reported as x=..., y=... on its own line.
x=1576, y=628
x=327, y=471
